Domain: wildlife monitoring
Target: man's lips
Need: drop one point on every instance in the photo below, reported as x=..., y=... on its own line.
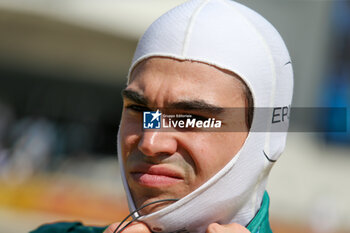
x=156, y=175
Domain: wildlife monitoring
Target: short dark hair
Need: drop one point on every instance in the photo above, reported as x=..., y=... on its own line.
x=250, y=109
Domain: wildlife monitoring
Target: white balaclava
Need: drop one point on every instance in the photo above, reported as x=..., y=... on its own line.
x=233, y=37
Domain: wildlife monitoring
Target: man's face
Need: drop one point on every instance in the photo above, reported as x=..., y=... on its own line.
x=170, y=164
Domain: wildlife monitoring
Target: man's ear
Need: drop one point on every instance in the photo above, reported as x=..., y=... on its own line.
x=249, y=103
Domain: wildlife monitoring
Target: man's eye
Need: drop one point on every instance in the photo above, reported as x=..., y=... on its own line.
x=137, y=108
x=191, y=116
x=199, y=118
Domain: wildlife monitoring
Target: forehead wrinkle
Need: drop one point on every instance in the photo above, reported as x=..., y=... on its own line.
x=161, y=93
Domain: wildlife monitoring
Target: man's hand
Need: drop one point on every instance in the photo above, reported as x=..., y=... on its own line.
x=229, y=228
x=135, y=227
x=139, y=227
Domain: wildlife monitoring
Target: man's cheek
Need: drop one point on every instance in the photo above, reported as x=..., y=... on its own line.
x=130, y=140
x=131, y=124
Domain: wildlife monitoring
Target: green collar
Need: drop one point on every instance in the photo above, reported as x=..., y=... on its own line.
x=260, y=223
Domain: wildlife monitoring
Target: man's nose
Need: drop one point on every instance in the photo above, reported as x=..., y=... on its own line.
x=155, y=143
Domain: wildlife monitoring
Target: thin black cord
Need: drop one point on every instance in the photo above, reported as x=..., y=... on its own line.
x=129, y=224
x=138, y=209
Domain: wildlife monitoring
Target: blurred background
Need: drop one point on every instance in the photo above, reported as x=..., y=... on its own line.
x=63, y=64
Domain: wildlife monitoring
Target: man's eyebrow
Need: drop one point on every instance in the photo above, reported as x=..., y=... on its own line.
x=197, y=105
x=134, y=96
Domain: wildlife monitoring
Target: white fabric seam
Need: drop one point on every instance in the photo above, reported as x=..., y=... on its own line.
x=273, y=69
x=190, y=27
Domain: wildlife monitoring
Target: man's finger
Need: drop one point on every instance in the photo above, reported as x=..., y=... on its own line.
x=229, y=228
x=135, y=227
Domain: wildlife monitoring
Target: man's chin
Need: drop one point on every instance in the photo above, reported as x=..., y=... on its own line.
x=158, y=205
